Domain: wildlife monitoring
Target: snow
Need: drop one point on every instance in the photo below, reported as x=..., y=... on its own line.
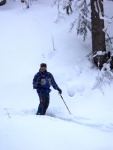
x=26, y=41
x=49, y=133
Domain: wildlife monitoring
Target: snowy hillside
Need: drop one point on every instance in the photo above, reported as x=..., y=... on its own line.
x=25, y=42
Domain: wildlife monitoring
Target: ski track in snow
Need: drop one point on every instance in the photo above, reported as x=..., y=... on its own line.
x=71, y=119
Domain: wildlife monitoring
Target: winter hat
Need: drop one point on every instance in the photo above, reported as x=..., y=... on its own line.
x=43, y=65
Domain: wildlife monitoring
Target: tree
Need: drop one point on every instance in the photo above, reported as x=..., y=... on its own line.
x=2, y=2
x=91, y=17
x=98, y=35
x=27, y=2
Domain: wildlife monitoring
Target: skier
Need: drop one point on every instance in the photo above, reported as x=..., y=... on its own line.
x=42, y=82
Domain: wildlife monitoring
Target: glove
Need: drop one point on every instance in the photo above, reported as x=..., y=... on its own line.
x=60, y=91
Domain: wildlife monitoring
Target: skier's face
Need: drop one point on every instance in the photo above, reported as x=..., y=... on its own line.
x=43, y=68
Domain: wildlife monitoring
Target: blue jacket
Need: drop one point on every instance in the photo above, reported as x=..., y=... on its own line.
x=43, y=80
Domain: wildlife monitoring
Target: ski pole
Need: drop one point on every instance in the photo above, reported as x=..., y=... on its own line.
x=65, y=104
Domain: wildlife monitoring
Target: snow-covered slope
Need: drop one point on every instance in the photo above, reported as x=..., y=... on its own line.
x=26, y=41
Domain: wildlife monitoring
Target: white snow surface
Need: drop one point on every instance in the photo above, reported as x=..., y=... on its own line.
x=25, y=42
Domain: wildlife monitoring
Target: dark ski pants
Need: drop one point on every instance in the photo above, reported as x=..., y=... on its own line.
x=44, y=103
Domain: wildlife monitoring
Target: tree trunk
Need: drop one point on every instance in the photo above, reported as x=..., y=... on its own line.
x=98, y=35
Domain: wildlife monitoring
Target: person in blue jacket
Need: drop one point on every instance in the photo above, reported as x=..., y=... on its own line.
x=42, y=82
